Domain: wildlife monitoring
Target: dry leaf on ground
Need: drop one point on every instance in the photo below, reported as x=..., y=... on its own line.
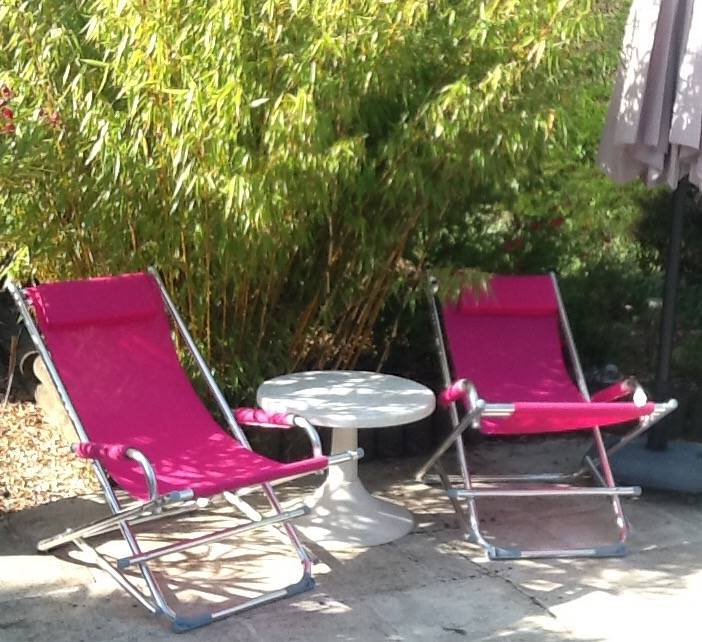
x=36, y=465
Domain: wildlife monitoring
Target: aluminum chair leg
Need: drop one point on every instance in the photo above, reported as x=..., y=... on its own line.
x=210, y=537
x=497, y=553
x=494, y=479
x=474, y=535
x=458, y=509
x=177, y=621
x=117, y=576
x=631, y=491
x=142, y=512
x=595, y=471
x=494, y=552
x=609, y=480
x=451, y=438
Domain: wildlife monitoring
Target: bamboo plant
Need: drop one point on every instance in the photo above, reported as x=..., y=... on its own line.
x=287, y=164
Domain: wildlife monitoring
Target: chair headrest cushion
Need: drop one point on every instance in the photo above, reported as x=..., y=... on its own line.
x=103, y=300
x=511, y=296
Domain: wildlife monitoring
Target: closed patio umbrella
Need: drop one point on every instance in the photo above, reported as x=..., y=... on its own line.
x=653, y=132
x=654, y=125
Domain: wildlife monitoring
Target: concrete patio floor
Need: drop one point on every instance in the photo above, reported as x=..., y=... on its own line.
x=428, y=585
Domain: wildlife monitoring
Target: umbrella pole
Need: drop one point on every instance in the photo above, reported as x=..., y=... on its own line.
x=661, y=464
x=658, y=437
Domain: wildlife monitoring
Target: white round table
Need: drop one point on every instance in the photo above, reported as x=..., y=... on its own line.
x=343, y=512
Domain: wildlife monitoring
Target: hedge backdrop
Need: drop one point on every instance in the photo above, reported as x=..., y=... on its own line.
x=289, y=165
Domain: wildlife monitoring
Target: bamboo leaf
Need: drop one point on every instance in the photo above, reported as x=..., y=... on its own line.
x=95, y=63
x=182, y=178
x=94, y=150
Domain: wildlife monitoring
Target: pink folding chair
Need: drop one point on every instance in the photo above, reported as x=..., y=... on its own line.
x=107, y=345
x=505, y=374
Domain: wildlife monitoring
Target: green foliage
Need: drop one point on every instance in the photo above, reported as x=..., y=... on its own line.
x=276, y=159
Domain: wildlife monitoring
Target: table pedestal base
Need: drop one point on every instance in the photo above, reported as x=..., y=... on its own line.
x=349, y=515
x=345, y=514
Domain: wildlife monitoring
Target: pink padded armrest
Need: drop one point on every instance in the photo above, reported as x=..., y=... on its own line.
x=455, y=392
x=535, y=417
x=617, y=390
x=259, y=417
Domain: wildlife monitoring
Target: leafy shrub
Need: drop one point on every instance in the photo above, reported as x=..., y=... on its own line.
x=278, y=160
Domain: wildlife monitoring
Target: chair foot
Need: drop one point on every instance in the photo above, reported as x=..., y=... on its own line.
x=184, y=623
x=496, y=553
x=306, y=583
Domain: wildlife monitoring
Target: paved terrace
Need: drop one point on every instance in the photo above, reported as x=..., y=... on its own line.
x=429, y=585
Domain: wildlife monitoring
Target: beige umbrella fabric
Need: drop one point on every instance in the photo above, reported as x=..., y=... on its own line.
x=654, y=124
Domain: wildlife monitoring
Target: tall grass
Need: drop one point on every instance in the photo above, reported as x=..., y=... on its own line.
x=285, y=163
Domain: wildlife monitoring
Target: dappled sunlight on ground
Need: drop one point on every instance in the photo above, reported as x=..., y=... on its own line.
x=429, y=585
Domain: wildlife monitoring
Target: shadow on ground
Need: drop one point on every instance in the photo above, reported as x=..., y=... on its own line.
x=428, y=585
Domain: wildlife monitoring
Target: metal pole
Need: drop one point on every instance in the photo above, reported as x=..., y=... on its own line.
x=657, y=437
x=632, y=491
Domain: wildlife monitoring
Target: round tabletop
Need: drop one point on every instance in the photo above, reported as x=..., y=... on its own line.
x=347, y=398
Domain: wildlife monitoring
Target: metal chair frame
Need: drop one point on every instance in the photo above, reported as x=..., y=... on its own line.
x=160, y=506
x=597, y=467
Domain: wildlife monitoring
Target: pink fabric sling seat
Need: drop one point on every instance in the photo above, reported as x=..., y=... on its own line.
x=110, y=339
x=507, y=342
